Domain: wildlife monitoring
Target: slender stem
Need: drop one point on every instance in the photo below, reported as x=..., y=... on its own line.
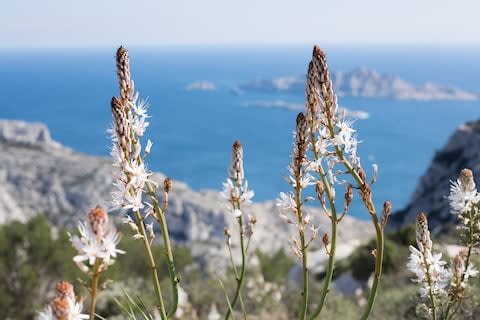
x=242, y=305
x=235, y=271
x=94, y=288
x=151, y=263
x=430, y=291
x=168, y=248
x=378, y=228
x=303, y=248
x=471, y=244
x=331, y=258
x=243, y=267
x=378, y=268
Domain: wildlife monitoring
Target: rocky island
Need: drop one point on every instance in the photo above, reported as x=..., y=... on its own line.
x=364, y=82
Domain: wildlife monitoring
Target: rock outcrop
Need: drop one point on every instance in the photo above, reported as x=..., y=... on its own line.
x=461, y=151
x=40, y=176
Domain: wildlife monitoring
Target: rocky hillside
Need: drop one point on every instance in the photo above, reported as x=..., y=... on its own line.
x=461, y=151
x=40, y=176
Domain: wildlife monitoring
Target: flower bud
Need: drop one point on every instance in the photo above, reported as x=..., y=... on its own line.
x=466, y=180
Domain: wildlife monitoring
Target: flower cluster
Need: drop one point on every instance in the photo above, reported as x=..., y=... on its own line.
x=129, y=125
x=429, y=268
x=235, y=188
x=97, y=240
x=464, y=202
x=332, y=129
x=236, y=193
x=133, y=180
x=290, y=204
x=461, y=273
x=64, y=306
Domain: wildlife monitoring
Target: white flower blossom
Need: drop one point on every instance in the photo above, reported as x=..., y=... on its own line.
x=286, y=201
x=428, y=264
x=46, y=314
x=461, y=198
x=237, y=213
x=75, y=310
x=91, y=245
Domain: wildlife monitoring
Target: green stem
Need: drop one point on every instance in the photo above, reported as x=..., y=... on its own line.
x=378, y=268
x=242, y=270
x=331, y=259
x=151, y=263
x=378, y=228
x=303, y=248
x=430, y=292
x=168, y=248
x=94, y=288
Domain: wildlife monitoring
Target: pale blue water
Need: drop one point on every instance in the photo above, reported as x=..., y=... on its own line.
x=70, y=90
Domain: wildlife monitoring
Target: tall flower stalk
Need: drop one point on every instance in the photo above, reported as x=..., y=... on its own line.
x=430, y=270
x=96, y=247
x=291, y=204
x=133, y=180
x=236, y=193
x=333, y=158
x=464, y=202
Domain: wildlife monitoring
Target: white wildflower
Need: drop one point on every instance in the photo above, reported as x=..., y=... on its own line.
x=97, y=240
x=46, y=314
x=138, y=174
x=75, y=310
x=133, y=202
x=471, y=272
x=148, y=147
x=463, y=193
x=237, y=213
x=286, y=201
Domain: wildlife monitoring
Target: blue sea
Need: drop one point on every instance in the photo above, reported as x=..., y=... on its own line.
x=192, y=131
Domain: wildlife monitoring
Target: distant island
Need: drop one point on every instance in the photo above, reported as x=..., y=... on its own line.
x=363, y=82
x=201, y=86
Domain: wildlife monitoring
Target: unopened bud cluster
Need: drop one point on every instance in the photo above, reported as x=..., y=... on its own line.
x=129, y=125
x=235, y=188
x=64, y=306
x=429, y=268
x=464, y=203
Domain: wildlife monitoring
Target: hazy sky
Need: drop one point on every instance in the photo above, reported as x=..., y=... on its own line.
x=82, y=23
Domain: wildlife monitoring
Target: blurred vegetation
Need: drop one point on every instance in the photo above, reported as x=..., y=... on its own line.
x=274, y=267
x=34, y=256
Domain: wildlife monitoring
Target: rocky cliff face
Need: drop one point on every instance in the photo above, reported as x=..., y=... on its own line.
x=40, y=176
x=461, y=151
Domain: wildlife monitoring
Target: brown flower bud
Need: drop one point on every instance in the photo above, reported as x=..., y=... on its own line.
x=466, y=180
x=98, y=219
x=325, y=240
x=60, y=308
x=387, y=207
x=348, y=196
x=123, y=72
x=64, y=289
x=236, y=172
x=167, y=184
x=319, y=188
x=227, y=231
x=422, y=233
x=362, y=174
